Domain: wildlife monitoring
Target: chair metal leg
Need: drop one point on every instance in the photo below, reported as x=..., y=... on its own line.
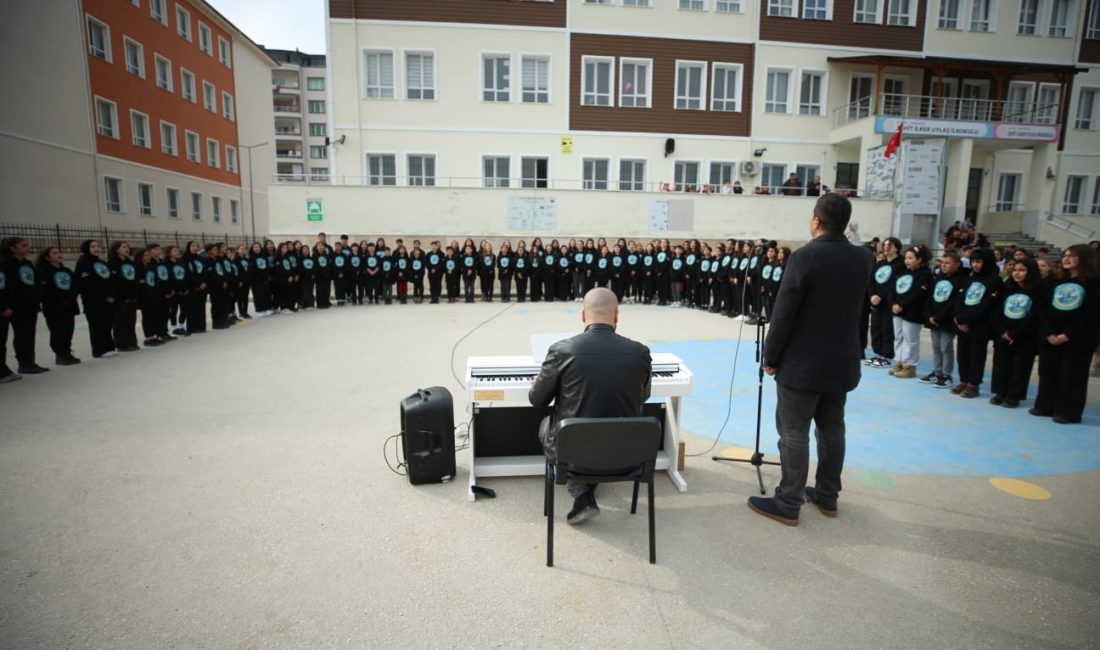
x=546, y=492
x=652, y=526
x=634, y=501
x=549, y=523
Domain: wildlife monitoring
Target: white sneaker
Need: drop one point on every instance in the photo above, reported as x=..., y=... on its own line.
x=108, y=354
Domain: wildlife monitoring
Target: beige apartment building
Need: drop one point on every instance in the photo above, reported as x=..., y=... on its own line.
x=300, y=101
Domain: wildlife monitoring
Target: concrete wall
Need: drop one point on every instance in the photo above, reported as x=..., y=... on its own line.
x=666, y=18
x=477, y=212
x=1002, y=38
x=252, y=77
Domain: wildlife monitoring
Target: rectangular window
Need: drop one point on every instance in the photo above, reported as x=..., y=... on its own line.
x=772, y=176
x=728, y=6
x=597, y=2
x=1075, y=190
x=318, y=152
x=495, y=171
x=1086, y=109
x=139, y=129
x=419, y=75
x=421, y=170
x=1018, y=107
x=690, y=84
x=817, y=10
x=318, y=129
x=379, y=82
x=782, y=8
x=983, y=16
x=720, y=172
x=534, y=172
x=317, y=106
x=196, y=206
x=847, y=174
x=596, y=81
x=895, y=92
x=496, y=78
x=594, y=173
x=106, y=117
x=315, y=83
x=112, y=193
x=632, y=175
x=213, y=153
x=1047, y=110
x=135, y=57
x=694, y=5
x=99, y=39
x=726, y=87
x=635, y=3
x=1061, y=15
x=168, y=139
x=382, y=169
x=634, y=82
x=191, y=143
x=227, y=106
x=1029, y=16
x=235, y=208
x=859, y=95
x=145, y=199
x=776, y=97
x=868, y=11
x=209, y=94
x=805, y=175
x=902, y=13
x=810, y=93
x=157, y=11
x=1008, y=191
x=318, y=173
x=187, y=85
x=223, y=53
x=164, y=72
x=230, y=159
x=1093, y=28
x=183, y=23
x=686, y=175
x=173, y=196
x=949, y=14
x=216, y=208
x=535, y=71
x=1095, y=209
x=205, y=43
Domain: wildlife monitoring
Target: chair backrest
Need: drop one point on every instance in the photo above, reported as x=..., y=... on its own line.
x=607, y=443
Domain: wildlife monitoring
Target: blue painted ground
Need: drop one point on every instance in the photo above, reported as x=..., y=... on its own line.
x=894, y=425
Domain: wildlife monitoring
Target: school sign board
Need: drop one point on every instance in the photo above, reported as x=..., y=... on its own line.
x=313, y=210
x=925, y=128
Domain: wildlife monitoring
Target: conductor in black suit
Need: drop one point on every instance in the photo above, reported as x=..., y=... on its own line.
x=596, y=374
x=813, y=351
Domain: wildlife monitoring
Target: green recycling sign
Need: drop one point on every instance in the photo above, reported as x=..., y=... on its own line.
x=313, y=210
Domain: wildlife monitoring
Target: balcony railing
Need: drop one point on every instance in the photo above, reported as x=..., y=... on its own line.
x=949, y=108
x=288, y=153
x=286, y=131
x=287, y=109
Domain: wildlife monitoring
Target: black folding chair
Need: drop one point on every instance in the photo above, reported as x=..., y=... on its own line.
x=603, y=450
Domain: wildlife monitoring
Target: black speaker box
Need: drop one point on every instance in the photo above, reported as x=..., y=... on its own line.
x=670, y=146
x=428, y=435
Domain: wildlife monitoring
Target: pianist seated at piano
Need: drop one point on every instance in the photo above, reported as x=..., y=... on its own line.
x=595, y=374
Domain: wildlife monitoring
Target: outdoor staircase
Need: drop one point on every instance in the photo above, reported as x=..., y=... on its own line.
x=1006, y=239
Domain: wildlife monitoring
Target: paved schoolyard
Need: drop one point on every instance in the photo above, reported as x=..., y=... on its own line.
x=229, y=490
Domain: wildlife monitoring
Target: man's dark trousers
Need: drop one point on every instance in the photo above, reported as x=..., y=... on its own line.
x=793, y=413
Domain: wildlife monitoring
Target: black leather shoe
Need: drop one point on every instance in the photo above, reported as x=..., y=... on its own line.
x=68, y=360
x=1034, y=410
x=584, y=509
x=996, y=400
x=1058, y=419
x=811, y=496
x=32, y=370
x=768, y=508
x=1009, y=403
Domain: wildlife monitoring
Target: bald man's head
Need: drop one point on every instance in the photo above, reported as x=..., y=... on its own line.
x=600, y=306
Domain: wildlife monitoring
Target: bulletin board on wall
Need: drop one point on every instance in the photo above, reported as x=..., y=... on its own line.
x=671, y=214
x=532, y=213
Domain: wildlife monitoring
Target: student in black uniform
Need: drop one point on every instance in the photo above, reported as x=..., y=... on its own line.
x=505, y=270
x=939, y=319
x=550, y=273
x=691, y=266
x=195, y=301
x=57, y=287
x=388, y=273
x=402, y=272
x=166, y=286
x=93, y=281
x=259, y=279
x=307, y=278
x=218, y=282
x=469, y=271
x=1015, y=335
x=340, y=273
x=177, y=310
x=416, y=273
x=589, y=276
x=1068, y=334
x=523, y=269
x=452, y=273
x=535, y=266
x=372, y=274
x=908, y=303
x=147, y=295
x=436, y=271
x=486, y=270
x=972, y=321
x=244, y=277
x=601, y=274
x=882, y=328
x=660, y=274
x=565, y=273
x=23, y=300
x=124, y=273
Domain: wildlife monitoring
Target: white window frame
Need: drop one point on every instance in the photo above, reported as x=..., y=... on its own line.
x=495, y=180
x=775, y=189
x=610, y=61
x=163, y=6
x=777, y=7
x=828, y=11
x=790, y=91
x=225, y=52
x=188, y=91
x=235, y=210
x=228, y=111
x=230, y=158
x=143, y=209
x=1071, y=15
x=943, y=19
x=1092, y=30
x=719, y=66
x=113, y=131
x=524, y=57
x=1092, y=118
x=209, y=96
x=216, y=209
x=1095, y=207
x=648, y=63
x=1034, y=26
x=1008, y=204
x=424, y=88
x=593, y=182
x=126, y=42
x=183, y=27
x=637, y=3
x=173, y=211
x=1040, y=111
x=380, y=90
x=682, y=184
x=688, y=64
x=729, y=6
x=311, y=102
x=824, y=98
x=168, y=81
x=213, y=153
x=860, y=110
x=169, y=146
x=423, y=179
x=1027, y=106
x=321, y=152
x=635, y=184
x=108, y=55
x=991, y=21
x=323, y=130
x=692, y=5
x=598, y=2
x=196, y=208
x=146, y=136
x=717, y=187
x=485, y=88
x=120, y=208
x=910, y=16
x=1075, y=207
x=206, y=45
x=857, y=12
x=533, y=182
x=382, y=177
x=196, y=155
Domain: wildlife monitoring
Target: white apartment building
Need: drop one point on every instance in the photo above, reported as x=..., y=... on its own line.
x=300, y=100
x=608, y=114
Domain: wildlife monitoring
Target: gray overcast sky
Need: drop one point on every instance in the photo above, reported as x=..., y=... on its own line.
x=279, y=24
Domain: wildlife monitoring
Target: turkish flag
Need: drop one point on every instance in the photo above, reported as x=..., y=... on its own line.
x=895, y=141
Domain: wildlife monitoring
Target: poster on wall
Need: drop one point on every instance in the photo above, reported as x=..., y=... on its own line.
x=880, y=174
x=674, y=215
x=532, y=213
x=920, y=183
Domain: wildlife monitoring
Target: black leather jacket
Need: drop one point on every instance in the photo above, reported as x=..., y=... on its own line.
x=597, y=374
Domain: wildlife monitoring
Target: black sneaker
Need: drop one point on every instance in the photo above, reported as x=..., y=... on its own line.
x=68, y=360
x=32, y=370
x=943, y=381
x=584, y=509
x=996, y=400
x=929, y=378
x=1009, y=403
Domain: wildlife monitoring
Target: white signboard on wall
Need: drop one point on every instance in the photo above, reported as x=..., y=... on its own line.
x=920, y=181
x=532, y=213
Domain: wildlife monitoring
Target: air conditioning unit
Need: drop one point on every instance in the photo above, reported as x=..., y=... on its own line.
x=750, y=168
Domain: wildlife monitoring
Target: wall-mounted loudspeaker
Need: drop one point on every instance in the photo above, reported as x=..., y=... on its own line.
x=670, y=146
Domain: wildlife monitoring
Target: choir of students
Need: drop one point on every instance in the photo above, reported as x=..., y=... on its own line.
x=1028, y=308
